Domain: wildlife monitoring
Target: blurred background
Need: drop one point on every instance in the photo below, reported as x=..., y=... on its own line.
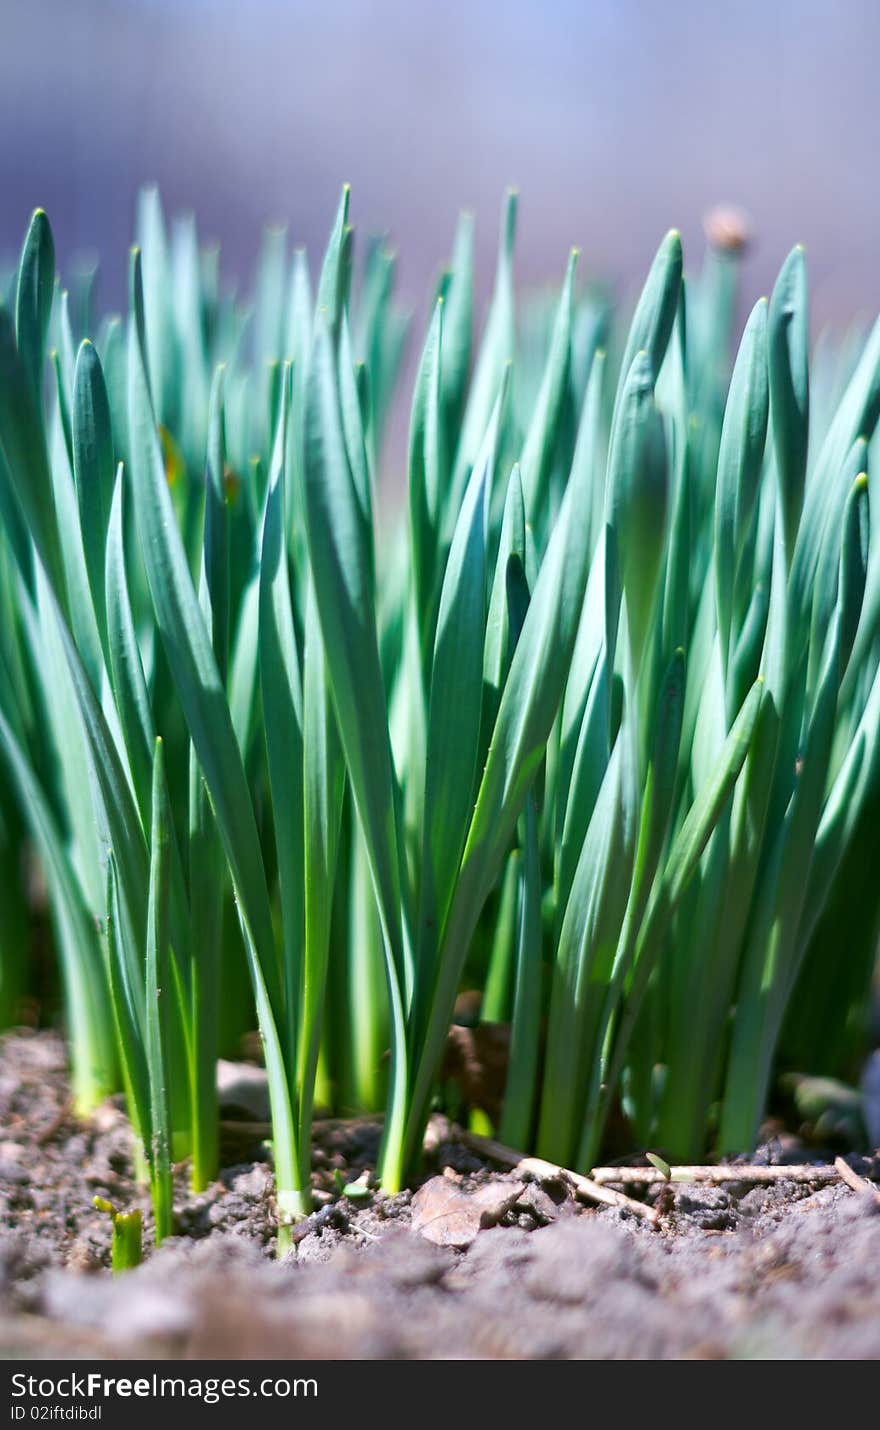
x=616, y=119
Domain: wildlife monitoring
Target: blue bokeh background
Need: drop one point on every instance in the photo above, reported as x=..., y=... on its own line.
x=616, y=118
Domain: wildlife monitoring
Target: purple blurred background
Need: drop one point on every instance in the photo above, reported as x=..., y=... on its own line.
x=616, y=118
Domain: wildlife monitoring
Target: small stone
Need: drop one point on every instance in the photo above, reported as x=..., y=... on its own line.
x=496, y=1198
x=538, y=1203
x=331, y=1217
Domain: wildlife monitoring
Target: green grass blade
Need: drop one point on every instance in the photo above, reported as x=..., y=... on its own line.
x=457, y=336
x=128, y=996
x=773, y=952
x=216, y=553
x=788, y=345
x=672, y=883
x=528, y=708
x=739, y=464
x=157, y=990
x=126, y=668
x=426, y=463
x=158, y=331
x=582, y=964
x=534, y=685
x=281, y=688
x=540, y=443
x=495, y=351
x=656, y=809
x=652, y=322
x=33, y=303
x=519, y=1091
x=828, y=568
x=244, y=674
x=191, y=658
x=498, y=649
x=706, y=810
x=335, y=272
x=637, y=494
x=323, y=781
x=342, y=574
x=497, y=1003
x=81, y=607
x=454, y=710
x=353, y=427
x=119, y=825
x=207, y=883
x=856, y=416
x=93, y=1061
x=94, y=471
x=341, y=563
x=26, y=460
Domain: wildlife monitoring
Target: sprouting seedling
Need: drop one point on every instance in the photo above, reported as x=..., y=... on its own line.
x=126, y=1246
x=662, y=1166
x=360, y=1188
x=666, y=1199
x=356, y=1190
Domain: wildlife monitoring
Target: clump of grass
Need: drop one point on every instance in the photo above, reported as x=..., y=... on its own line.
x=594, y=729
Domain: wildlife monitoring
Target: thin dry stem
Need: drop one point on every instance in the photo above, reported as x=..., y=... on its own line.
x=854, y=1181
x=804, y=1172
x=746, y=1172
x=585, y=1188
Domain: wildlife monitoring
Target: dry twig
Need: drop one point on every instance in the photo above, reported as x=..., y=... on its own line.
x=648, y=1176
x=854, y=1181
x=585, y=1188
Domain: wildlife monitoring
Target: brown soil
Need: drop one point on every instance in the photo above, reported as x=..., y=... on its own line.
x=740, y=1272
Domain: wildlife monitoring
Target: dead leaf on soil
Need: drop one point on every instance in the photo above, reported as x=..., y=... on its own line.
x=449, y=1216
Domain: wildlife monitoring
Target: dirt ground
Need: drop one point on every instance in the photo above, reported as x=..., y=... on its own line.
x=741, y=1272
